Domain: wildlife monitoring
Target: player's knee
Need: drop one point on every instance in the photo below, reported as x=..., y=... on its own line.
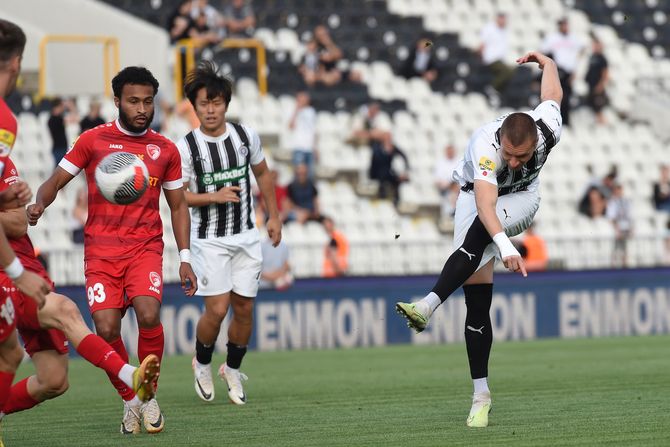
x=69, y=313
x=148, y=318
x=108, y=331
x=217, y=311
x=55, y=385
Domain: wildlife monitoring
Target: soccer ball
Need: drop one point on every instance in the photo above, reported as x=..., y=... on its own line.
x=121, y=178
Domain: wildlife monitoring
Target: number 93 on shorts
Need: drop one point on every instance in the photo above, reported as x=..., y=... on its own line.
x=114, y=283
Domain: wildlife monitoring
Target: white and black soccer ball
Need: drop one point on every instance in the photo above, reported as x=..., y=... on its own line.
x=121, y=178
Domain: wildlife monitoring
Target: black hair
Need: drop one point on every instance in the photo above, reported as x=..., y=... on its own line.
x=205, y=76
x=519, y=128
x=134, y=76
x=12, y=40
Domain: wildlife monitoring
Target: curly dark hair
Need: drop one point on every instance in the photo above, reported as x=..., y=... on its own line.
x=205, y=76
x=133, y=75
x=12, y=40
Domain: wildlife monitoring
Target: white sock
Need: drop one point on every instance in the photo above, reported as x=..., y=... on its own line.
x=432, y=302
x=481, y=385
x=126, y=374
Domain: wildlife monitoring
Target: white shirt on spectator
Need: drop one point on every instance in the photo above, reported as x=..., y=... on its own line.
x=304, y=132
x=494, y=40
x=565, y=49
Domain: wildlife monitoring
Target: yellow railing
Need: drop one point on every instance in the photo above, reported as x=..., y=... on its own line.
x=186, y=49
x=110, y=59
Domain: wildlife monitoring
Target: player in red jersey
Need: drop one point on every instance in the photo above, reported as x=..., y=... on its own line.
x=12, y=43
x=124, y=243
x=46, y=331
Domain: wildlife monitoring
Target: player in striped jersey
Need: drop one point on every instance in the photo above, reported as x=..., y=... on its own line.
x=216, y=160
x=499, y=198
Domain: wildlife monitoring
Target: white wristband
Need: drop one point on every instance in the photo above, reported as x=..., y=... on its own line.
x=505, y=245
x=14, y=269
x=185, y=255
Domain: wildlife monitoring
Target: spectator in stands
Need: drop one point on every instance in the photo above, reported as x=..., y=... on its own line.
x=275, y=270
x=593, y=204
x=303, y=197
x=79, y=215
x=619, y=213
x=209, y=22
x=303, y=132
x=420, y=63
x=662, y=190
x=336, y=253
x=565, y=48
x=536, y=256
x=493, y=51
x=92, y=119
x=63, y=112
x=389, y=166
x=443, y=175
x=180, y=22
x=240, y=19
x=329, y=55
x=202, y=32
x=597, y=77
x=609, y=183
x=369, y=124
x=309, y=67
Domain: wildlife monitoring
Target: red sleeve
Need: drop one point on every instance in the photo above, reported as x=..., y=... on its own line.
x=79, y=155
x=10, y=175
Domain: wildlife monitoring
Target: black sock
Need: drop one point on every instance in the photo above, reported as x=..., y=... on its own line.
x=203, y=353
x=464, y=261
x=235, y=355
x=478, y=331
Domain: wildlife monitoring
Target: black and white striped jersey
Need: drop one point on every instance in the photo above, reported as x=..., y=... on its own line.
x=211, y=163
x=483, y=159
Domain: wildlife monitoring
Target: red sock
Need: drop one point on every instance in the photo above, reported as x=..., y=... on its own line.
x=98, y=352
x=19, y=399
x=151, y=341
x=6, y=380
x=124, y=391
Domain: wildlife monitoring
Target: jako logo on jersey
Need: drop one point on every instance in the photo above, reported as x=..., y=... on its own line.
x=244, y=151
x=116, y=146
x=153, y=151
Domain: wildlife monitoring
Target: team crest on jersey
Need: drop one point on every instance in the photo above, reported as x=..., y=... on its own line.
x=153, y=151
x=155, y=279
x=486, y=164
x=244, y=151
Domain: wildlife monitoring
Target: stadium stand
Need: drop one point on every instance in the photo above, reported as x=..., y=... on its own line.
x=375, y=37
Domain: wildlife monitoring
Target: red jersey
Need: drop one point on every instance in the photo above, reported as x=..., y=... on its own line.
x=7, y=129
x=123, y=231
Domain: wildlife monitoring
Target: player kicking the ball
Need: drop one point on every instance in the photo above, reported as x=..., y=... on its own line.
x=123, y=244
x=499, y=198
x=217, y=159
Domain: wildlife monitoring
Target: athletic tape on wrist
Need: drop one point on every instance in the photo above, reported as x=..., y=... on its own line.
x=185, y=255
x=505, y=245
x=14, y=269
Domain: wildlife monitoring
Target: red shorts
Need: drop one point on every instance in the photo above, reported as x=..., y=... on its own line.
x=7, y=316
x=35, y=338
x=113, y=283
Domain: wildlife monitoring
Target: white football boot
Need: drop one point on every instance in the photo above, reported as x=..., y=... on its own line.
x=152, y=417
x=233, y=378
x=204, y=387
x=130, y=425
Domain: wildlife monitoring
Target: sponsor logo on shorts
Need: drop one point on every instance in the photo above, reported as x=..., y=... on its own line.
x=156, y=281
x=153, y=151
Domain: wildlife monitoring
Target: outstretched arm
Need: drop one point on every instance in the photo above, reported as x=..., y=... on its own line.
x=550, y=88
x=47, y=192
x=267, y=187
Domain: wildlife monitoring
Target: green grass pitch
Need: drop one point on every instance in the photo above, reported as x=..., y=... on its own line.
x=611, y=391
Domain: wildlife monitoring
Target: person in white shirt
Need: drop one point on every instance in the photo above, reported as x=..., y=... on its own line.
x=499, y=198
x=565, y=48
x=619, y=213
x=493, y=51
x=303, y=132
x=443, y=174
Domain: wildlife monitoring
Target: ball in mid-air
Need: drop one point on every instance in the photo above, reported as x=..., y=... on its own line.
x=121, y=178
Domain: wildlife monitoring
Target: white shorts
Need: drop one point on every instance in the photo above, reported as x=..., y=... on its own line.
x=227, y=263
x=515, y=211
